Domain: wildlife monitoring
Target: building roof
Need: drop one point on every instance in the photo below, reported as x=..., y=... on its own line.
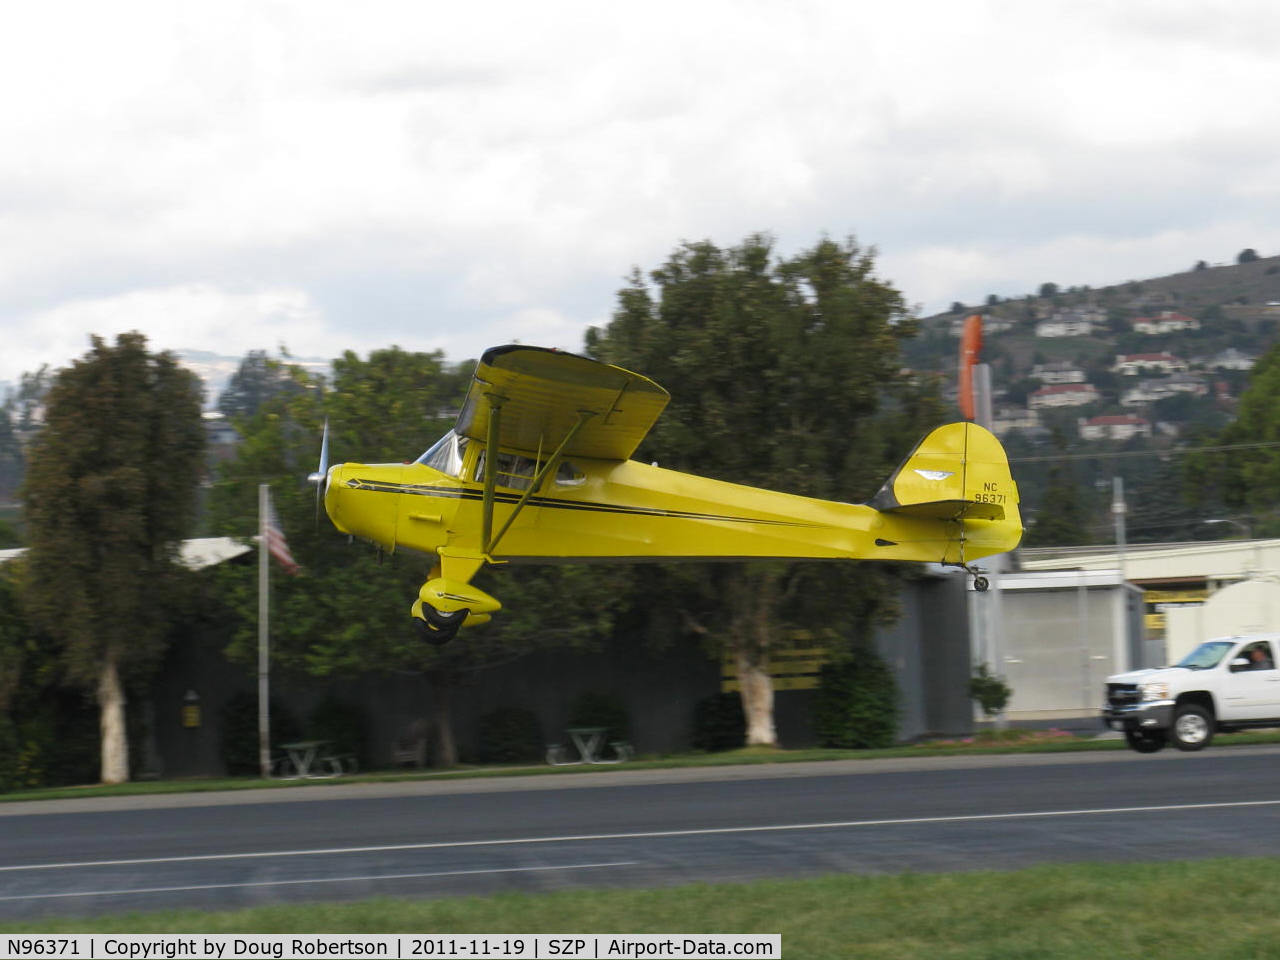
x=197, y=554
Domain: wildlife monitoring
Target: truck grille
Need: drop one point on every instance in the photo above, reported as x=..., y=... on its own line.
x=1120, y=695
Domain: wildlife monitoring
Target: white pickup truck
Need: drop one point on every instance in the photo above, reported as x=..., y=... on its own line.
x=1222, y=685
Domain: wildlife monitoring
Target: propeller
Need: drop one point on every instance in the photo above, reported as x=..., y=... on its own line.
x=321, y=477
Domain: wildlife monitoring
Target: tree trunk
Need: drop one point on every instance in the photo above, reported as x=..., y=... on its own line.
x=115, y=743
x=756, y=689
x=444, y=748
x=754, y=598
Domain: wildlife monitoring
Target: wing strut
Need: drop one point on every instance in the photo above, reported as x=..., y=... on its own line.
x=547, y=469
x=491, y=464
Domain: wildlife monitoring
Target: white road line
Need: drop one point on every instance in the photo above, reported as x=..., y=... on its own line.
x=285, y=883
x=652, y=835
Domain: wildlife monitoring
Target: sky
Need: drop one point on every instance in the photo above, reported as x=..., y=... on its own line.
x=323, y=176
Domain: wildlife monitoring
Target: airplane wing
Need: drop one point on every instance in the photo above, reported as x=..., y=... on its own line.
x=543, y=395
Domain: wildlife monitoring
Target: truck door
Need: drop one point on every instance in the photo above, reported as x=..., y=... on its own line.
x=1253, y=691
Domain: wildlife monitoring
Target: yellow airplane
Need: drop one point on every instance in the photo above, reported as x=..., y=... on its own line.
x=561, y=487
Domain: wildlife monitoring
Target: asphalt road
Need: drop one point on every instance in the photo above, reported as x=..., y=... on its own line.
x=633, y=828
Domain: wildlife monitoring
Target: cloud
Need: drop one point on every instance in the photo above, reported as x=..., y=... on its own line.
x=425, y=175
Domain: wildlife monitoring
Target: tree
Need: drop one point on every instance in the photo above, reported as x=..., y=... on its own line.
x=1048, y=290
x=777, y=370
x=110, y=493
x=349, y=609
x=1247, y=255
x=1246, y=480
x=258, y=379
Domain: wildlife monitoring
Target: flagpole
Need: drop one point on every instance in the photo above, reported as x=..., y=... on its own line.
x=264, y=587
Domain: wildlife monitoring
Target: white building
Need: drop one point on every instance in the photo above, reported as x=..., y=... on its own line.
x=1060, y=371
x=1166, y=321
x=1132, y=364
x=1114, y=427
x=1004, y=419
x=1063, y=395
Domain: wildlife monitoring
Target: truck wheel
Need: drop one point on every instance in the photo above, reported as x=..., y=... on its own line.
x=1145, y=741
x=1192, y=727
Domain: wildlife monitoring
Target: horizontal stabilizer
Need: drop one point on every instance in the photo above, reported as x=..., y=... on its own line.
x=950, y=510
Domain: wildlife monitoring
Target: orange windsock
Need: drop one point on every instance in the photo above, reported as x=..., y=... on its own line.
x=970, y=347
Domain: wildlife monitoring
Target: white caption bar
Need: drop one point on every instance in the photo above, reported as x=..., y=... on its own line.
x=188, y=946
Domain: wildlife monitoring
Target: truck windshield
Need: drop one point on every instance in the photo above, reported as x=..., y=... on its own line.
x=1208, y=654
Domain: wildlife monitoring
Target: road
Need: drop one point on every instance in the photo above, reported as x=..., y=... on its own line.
x=633, y=828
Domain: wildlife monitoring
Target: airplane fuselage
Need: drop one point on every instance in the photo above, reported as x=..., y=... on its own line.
x=626, y=510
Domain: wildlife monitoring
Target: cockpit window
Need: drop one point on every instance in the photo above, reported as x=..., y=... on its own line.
x=446, y=454
x=517, y=472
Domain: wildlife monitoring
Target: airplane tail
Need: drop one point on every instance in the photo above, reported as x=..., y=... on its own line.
x=953, y=500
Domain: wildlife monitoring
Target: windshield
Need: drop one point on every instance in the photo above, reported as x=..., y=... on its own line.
x=1208, y=654
x=445, y=454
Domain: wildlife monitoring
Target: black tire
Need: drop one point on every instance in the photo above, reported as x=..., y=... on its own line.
x=438, y=628
x=981, y=584
x=1145, y=741
x=1192, y=727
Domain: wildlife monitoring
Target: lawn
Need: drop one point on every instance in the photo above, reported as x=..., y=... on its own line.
x=1207, y=909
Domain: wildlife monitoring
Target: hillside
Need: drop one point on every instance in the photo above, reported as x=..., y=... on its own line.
x=1094, y=384
x=1211, y=321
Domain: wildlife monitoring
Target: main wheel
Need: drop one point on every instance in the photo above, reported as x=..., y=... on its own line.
x=1192, y=727
x=1145, y=741
x=437, y=627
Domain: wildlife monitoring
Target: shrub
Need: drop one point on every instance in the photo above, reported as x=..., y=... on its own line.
x=718, y=723
x=601, y=710
x=240, y=731
x=345, y=725
x=856, y=706
x=990, y=691
x=510, y=735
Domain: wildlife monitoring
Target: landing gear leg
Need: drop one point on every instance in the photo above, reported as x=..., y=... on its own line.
x=980, y=583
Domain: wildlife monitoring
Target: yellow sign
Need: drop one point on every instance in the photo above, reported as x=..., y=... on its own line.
x=791, y=666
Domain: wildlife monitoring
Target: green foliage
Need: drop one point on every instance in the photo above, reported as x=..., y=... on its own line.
x=785, y=373
x=239, y=725
x=1246, y=481
x=718, y=723
x=344, y=724
x=510, y=735
x=111, y=491
x=258, y=380
x=348, y=610
x=1247, y=255
x=606, y=710
x=856, y=704
x=989, y=691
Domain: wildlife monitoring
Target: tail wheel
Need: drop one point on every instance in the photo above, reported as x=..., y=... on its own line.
x=438, y=627
x=1192, y=727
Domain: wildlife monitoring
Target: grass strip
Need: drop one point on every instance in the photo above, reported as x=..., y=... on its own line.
x=986, y=743
x=1223, y=908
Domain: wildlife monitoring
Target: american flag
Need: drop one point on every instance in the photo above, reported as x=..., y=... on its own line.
x=277, y=545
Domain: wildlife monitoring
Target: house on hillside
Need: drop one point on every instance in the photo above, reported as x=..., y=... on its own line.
x=1166, y=321
x=1228, y=359
x=1063, y=395
x=1114, y=427
x=1060, y=371
x=1004, y=419
x=1132, y=364
x=990, y=324
x=1071, y=323
x=1149, y=391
